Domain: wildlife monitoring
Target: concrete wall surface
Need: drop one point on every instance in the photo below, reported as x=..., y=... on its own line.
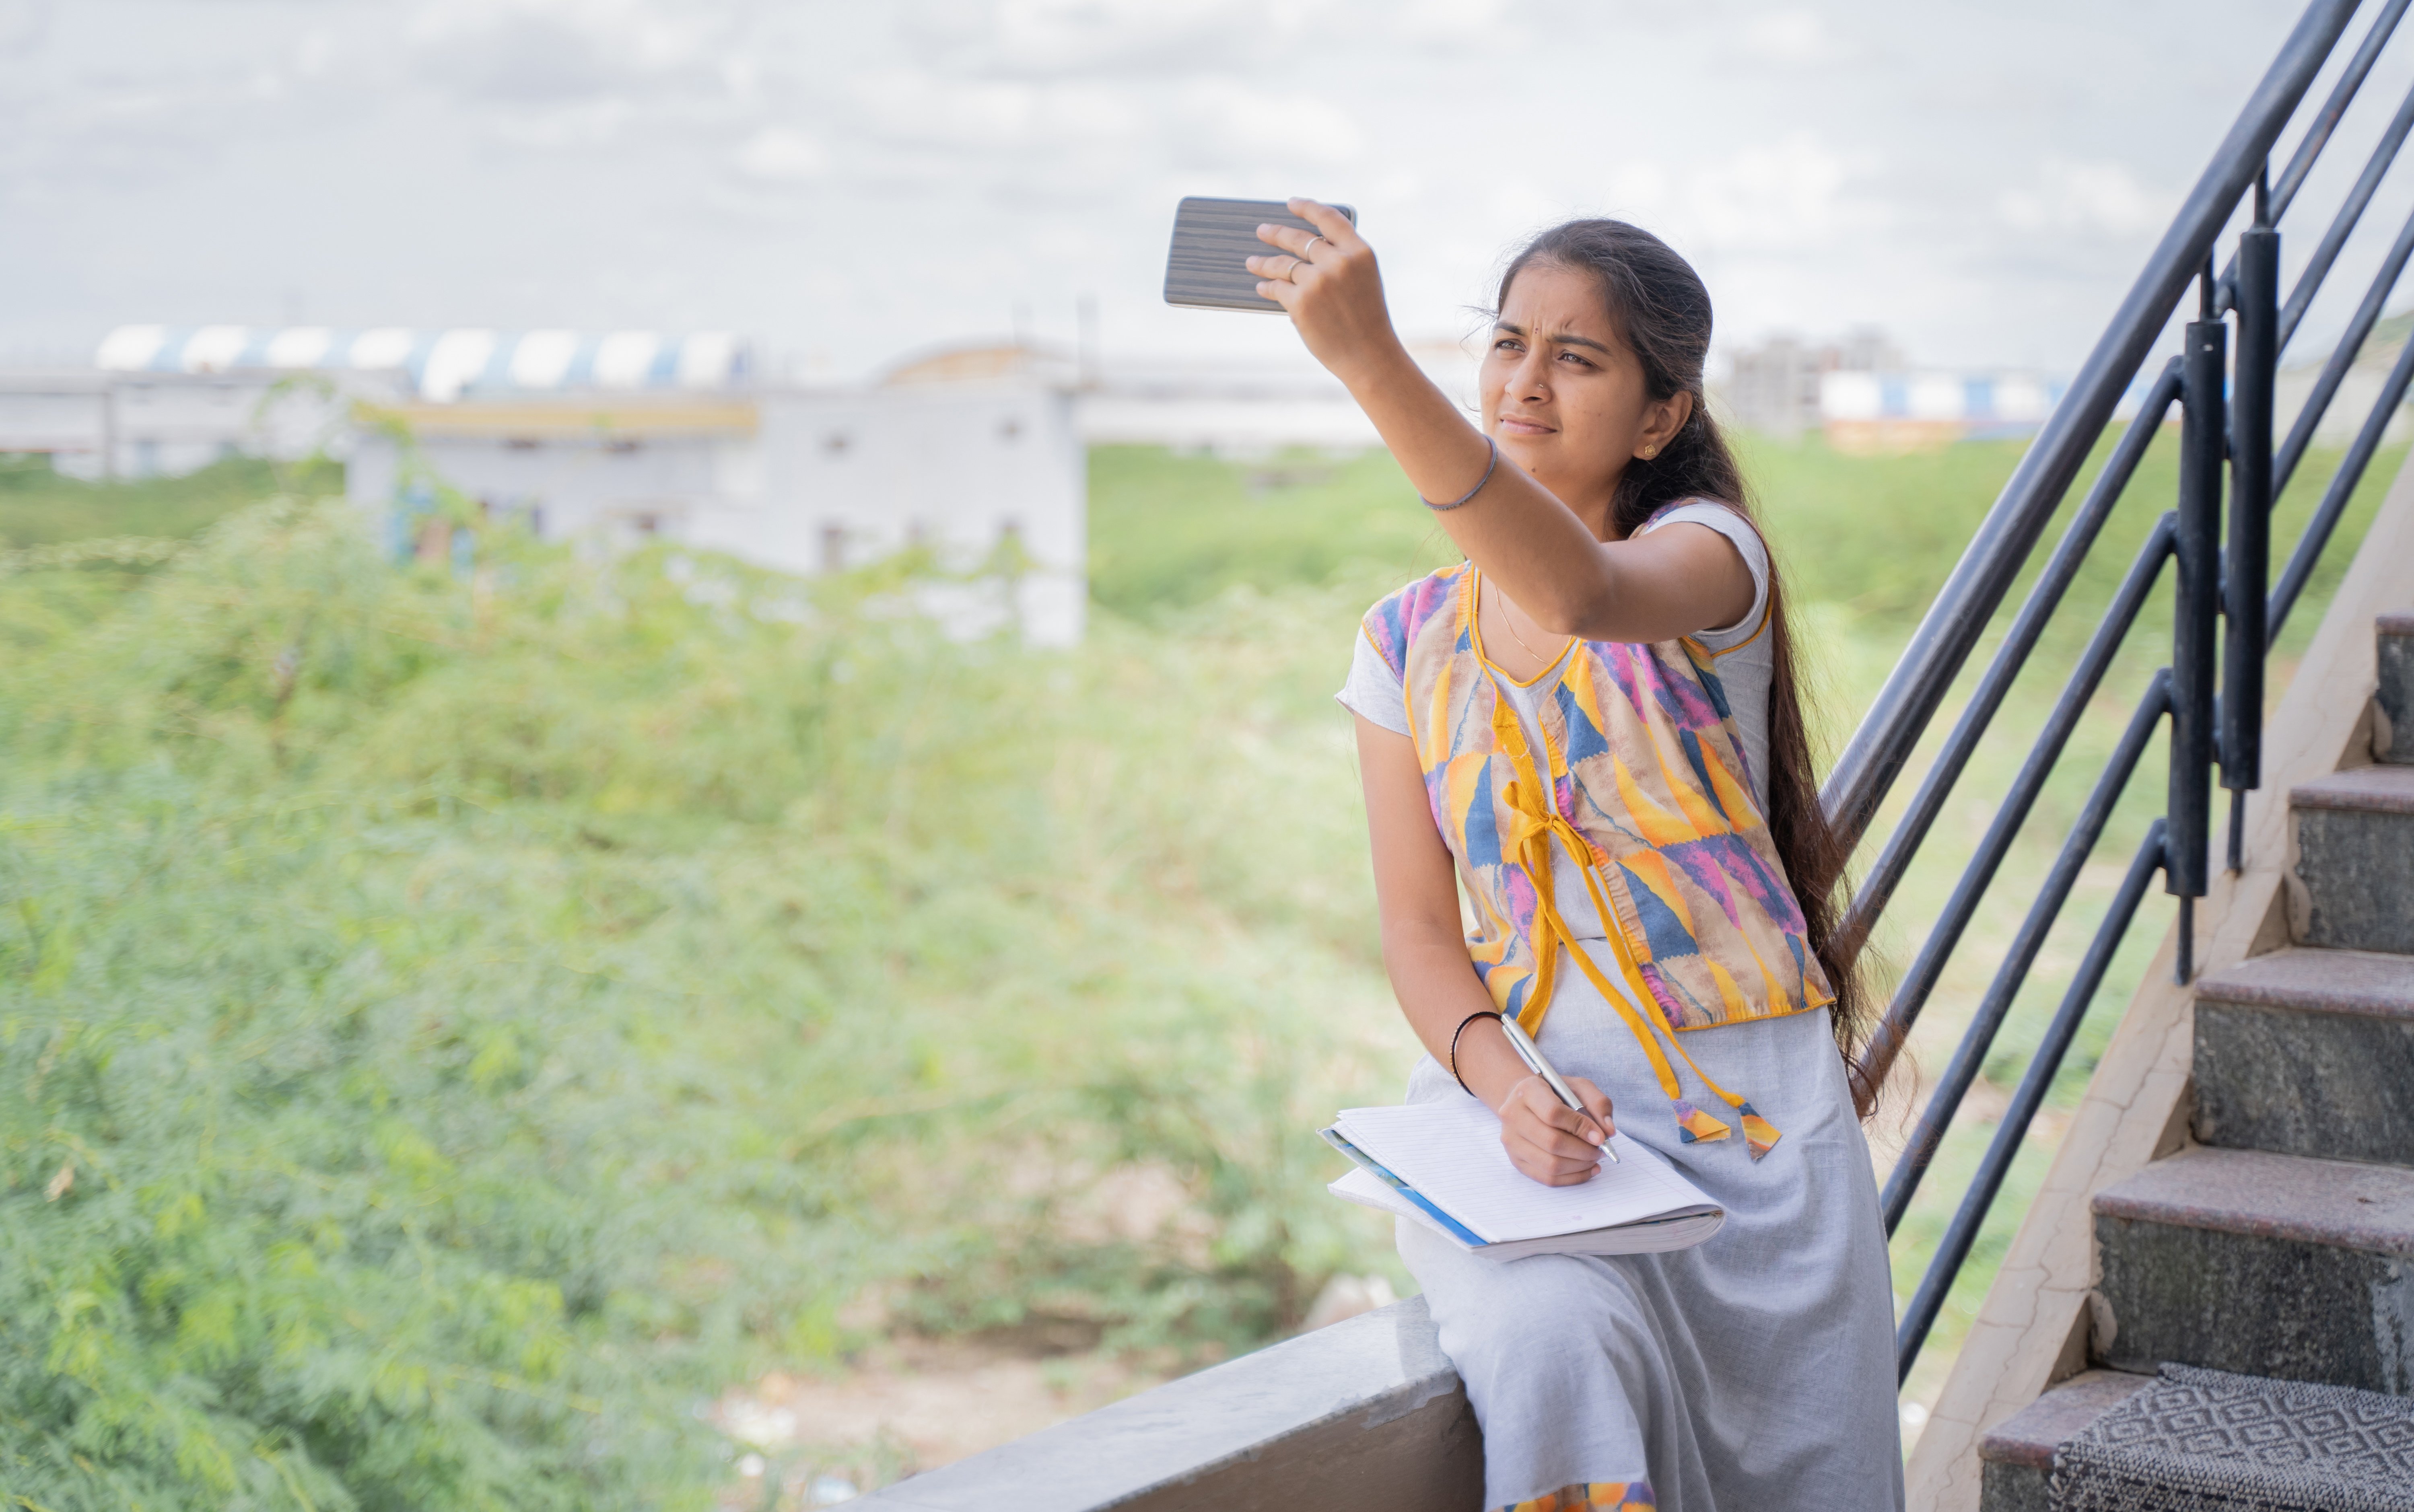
x=1364, y=1413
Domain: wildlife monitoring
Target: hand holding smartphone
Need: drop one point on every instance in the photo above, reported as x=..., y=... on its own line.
x=1213, y=239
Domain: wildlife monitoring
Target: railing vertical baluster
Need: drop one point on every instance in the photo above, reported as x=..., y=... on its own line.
x=1920, y=1314
x=2223, y=618
x=2203, y=441
x=2247, y=569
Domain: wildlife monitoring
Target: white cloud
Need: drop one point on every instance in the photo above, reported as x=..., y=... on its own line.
x=1845, y=160
x=580, y=123
x=22, y=25
x=913, y=106
x=1453, y=21
x=314, y=52
x=779, y=153
x=536, y=52
x=2088, y=199
x=1244, y=123
x=1788, y=36
x=1782, y=195
x=578, y=73
x=1125, y=36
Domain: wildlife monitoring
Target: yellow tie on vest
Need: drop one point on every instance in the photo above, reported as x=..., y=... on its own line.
x=1534, y=821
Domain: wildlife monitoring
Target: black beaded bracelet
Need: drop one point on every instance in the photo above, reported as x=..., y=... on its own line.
x=1454, y=1048
x=1470, y=494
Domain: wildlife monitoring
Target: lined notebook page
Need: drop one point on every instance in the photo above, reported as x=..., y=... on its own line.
x=1451, y=1151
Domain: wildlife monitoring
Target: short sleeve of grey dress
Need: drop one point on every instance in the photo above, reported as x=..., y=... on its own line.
x=1751, y=1373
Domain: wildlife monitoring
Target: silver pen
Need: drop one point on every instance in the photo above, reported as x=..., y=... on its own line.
x=1531, y=1054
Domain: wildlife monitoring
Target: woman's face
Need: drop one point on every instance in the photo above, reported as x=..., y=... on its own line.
x=1564, y=395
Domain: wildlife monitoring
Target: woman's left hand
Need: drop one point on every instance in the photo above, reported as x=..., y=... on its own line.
x=1327, y=279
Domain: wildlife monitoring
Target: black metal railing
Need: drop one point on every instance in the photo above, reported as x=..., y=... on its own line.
x=2226, y=612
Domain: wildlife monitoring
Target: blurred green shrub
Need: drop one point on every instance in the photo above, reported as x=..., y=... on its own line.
x=452, y=1025
x=39, y=506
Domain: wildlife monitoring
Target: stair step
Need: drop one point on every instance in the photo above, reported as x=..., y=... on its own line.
x=2355, y=845
x=2016, y=1457
x=2260, y=1263
x=2188, y=1437
x=2396, y=695
x=2308, y=1052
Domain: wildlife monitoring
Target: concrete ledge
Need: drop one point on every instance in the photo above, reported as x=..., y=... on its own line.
x=2261, y=1195
x=2369, y=790
x=2367, y=982
x=1367, y=1413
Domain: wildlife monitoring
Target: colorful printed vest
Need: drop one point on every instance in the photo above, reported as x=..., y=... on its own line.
x=1648, y=790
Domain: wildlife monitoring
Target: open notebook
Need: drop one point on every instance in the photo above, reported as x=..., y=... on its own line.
x=1441, y=1165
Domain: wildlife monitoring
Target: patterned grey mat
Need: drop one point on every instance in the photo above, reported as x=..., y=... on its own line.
x=2207, y=1441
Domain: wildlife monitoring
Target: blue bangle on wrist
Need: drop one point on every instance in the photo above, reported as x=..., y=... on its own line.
x=1470, y=494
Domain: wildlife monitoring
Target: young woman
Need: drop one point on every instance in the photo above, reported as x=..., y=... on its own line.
x=1592, y=727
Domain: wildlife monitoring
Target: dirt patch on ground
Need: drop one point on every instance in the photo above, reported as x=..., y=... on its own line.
x=903, y=1407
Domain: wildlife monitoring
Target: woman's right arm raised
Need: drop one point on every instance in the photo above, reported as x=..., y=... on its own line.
x=1520, y=534
x=1426, y=956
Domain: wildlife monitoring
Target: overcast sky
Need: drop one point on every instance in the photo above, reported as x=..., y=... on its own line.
x=847, y=183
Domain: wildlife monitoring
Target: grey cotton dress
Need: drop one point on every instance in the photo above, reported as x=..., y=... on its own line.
x=1753, y=1373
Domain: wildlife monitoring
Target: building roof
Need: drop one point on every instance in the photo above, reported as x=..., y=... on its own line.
x=442, y=366
x=985, y=363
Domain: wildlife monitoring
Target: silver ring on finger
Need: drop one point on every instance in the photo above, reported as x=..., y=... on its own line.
x=1296, y=263
x=1309, y=248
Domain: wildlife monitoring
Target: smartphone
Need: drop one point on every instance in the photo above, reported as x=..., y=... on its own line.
x=1212, y=238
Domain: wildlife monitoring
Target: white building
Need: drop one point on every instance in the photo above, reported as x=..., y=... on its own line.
x=979, y=463
x=982, y=476
x=1896, y=411
x=1774, y=388
x=617, y=438
x=97, y=424
x=162, y=400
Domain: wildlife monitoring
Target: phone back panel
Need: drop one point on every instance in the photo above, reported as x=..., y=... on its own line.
x=1210, y=238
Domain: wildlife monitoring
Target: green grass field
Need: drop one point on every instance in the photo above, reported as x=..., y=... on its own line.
x=39, y=507
x=457, y=1024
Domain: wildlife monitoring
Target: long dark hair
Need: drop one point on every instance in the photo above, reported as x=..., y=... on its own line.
x=1659, y=306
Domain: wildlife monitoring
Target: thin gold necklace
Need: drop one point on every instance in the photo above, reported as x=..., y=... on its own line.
x=1501, y=599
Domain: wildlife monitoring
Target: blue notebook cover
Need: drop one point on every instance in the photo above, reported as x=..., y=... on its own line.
x=1334, y=1137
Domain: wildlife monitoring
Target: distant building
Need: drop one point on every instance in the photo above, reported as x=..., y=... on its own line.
x=980, y=473
x=160, y=400
x=1774, y=388
x=619, y=437
x=1909, y=411
x=975, y=461
x=1864, y=397
x=95, y=423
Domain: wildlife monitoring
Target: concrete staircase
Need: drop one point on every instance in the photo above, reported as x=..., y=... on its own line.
x=2281, y=1243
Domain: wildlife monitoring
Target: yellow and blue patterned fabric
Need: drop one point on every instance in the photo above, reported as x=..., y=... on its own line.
x=1592, y=1496
x=1642, y=781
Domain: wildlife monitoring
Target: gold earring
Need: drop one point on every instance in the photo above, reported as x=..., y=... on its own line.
x=1650, y=452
